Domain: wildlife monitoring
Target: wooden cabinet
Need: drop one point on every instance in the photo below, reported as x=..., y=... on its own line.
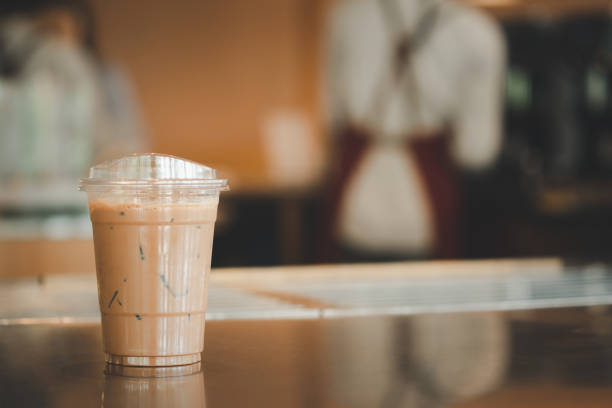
x=40, y=257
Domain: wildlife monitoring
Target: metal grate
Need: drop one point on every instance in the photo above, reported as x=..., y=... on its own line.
x=65, y=299
x=310, y=293
x=410, y=296
x=225, y=303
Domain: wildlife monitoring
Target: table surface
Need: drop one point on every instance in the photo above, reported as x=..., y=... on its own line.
x=557, y=358
x=356, y=351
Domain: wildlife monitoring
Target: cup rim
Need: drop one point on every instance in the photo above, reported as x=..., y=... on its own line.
x=93, y=184
x=103, y=177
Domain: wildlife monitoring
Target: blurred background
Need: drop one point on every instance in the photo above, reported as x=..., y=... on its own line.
x=349, y=130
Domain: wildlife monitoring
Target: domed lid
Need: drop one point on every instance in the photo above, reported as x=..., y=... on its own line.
x=140, y=171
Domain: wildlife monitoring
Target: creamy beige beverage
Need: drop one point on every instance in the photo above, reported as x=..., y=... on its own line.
x=152, y=265
x=153, y=219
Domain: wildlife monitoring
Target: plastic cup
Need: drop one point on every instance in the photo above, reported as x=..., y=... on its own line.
x=153, y=221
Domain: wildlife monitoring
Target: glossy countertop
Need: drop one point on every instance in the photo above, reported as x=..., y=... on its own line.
x=503, y=348
x=557, y=358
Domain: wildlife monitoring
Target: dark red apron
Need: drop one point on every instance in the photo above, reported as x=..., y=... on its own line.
x=439, y=177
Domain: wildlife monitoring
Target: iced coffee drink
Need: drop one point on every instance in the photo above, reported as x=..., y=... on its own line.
x=153, y=238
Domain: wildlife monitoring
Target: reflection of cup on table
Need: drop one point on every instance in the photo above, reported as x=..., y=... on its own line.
x=153, y=219
x=172, y=387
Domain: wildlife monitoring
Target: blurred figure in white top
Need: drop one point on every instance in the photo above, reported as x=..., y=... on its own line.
x=413, y=93
x=61, y=107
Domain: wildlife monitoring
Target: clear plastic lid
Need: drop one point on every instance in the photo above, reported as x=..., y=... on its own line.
x=152, y=170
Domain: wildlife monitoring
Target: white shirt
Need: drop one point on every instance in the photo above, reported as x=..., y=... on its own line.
x=60, y=115
x=458, y=72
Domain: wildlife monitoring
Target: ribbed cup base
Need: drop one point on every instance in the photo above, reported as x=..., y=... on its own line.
x=152, y=361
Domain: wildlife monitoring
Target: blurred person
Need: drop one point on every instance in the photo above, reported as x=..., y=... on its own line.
x=429, y=360
x=413, y=93
x=61, y=106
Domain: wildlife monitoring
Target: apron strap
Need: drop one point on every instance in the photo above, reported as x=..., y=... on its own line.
x=405, y=45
